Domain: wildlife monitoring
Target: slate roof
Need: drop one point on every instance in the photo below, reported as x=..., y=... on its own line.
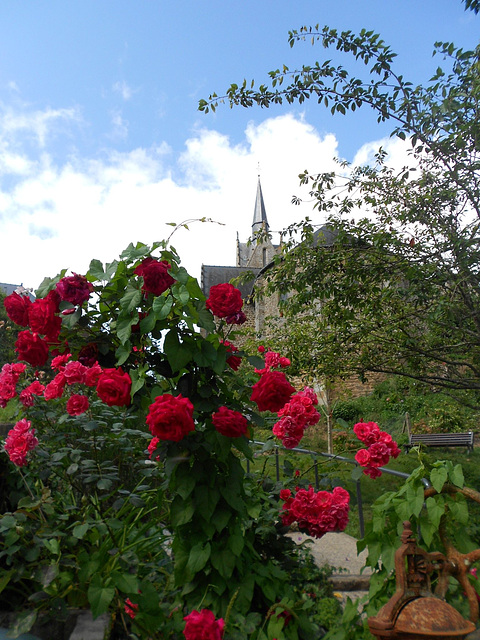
x=10, y=288
x=259, y=215
x=212, y=275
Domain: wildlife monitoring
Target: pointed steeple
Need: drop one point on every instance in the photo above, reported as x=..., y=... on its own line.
x=260, y=215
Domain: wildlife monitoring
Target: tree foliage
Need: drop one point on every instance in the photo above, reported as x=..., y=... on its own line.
x=398, y=290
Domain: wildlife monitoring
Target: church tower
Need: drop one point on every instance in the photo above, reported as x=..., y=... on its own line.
x=258, y=251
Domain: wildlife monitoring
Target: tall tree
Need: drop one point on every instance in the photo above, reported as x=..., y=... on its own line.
x=398, y=290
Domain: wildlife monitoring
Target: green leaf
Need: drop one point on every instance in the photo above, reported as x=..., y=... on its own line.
x=96, y=271
x=180, y=293
x=125, y=582
x=236, y=542
x=23, y=624
x=178, y=353
x=131, y=299
x=220, y=519
x=224, y=562
x=138, y=381
x=456, y=476
x=205, y=319
x=181, y=511
x=99, y=596
x=207, y=355
x=52, y=545
x=122, y=352
x=185, y=483
x=435, y=510
x=198, y=557
x=415, y=497
x=206, y=499
x=162, y=306
x=148, y=323
x=123, y=326
x=80, y=530
x=71, y=320
x=180, y=274
x=438, y=478
x=5, y=578
x=459, y=509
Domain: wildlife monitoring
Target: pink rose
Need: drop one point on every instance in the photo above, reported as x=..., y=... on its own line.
x=202, y=625
x=156, y=278
x=230, y=423
x=171, y=417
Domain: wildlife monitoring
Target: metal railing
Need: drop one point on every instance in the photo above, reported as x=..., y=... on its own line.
x=333, y=456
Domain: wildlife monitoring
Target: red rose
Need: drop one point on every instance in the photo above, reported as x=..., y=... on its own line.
x=17, y=307
x=230, y=423
x=362, y=457
x=77, y=404
x=92, y=375
x=31, y=348
x=74, y=372
x=114, y=387
x=201, y=625
x=59, y=362
x=19, y=441
x=75, y=289
x=153, y=446
x=42, y=317
x=367, y=432
x=33, y=389
x=88, y=354
x=224, y=300
x=156, y=278
x=272, y=391
x=171, y=417
x=233, y=361
x=54, y=389
x=131, y=608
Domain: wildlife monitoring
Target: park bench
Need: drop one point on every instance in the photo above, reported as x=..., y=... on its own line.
x=441, y=440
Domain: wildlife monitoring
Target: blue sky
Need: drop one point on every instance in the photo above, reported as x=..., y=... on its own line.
x=101, y=142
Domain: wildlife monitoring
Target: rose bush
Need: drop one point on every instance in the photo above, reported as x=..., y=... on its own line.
x=133, y=429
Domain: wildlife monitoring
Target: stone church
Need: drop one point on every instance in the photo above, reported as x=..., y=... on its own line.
x=252, y=257
x=255, y=257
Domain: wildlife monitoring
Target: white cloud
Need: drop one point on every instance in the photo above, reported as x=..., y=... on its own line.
x=38, y=124
x=123, y=89
x=119, y=126
x=57, y=216
x=399, y=153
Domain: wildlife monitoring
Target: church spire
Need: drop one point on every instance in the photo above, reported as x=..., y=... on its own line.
x=260, y=221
